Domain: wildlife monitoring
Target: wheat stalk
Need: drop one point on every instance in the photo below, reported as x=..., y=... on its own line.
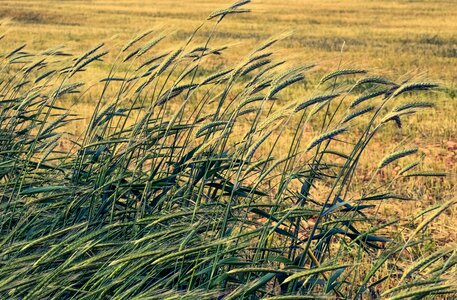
x=395, y=156
x=339, y=73
x=367, y=97
x=357, y=113
x=417, y=86
x=315, y=100
x=411, y=105
x=326, y=136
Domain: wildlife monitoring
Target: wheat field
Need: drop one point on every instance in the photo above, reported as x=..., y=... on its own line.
x=232, y=161
x=394, y=38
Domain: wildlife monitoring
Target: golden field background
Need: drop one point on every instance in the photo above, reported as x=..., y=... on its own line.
x=395, y=38
x=399, y=36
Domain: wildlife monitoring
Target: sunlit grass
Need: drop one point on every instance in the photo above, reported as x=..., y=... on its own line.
x=199, y=175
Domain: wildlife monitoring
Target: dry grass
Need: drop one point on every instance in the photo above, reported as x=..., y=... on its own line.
x=401, y=39
x=392, y=37
x=400, y=36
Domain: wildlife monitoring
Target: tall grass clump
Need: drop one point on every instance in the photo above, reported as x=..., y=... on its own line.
x=201, y=183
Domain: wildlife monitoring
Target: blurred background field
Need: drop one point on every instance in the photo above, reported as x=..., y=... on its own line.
x=400, y=36
x=394, y=38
